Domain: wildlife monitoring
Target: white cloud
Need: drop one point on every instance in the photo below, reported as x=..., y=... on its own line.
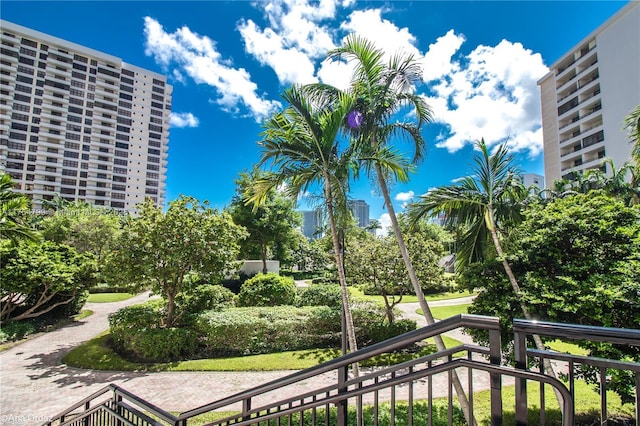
x=291, y=65
x=405, y=196
x=295, y=38
x=492, y=94
x=384, y=33
x=437, y=62
x=183, y=119
x=385, y=224
x=197, y=57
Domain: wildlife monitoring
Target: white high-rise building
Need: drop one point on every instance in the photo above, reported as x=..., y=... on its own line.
x=360, y=211
x=533, y=179
x=79, y=123
x=586, y=96
x=312, y=223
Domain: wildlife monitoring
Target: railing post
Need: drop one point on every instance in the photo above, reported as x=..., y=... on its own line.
x=246, y=407
x=117, y=398
x=495, y=357
x=520, y=354
x=342, y=405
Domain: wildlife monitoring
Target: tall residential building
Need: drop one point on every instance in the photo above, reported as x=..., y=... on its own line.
x=79, y=123
x=587, y=94
x=360, y=211
x=533, y=179
x=312, y=223
x=312, y=220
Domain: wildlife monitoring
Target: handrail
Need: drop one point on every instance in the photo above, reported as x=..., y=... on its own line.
x=452, y=323
x=624, y=336
x=595, y=361
x=98, y=393
x=116, y=391
x=376, y=374
x=442, y=368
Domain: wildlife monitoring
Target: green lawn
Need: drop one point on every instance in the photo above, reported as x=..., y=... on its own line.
x=97, y=355
x=443, y=312
x=409, y=298
x=109, y=297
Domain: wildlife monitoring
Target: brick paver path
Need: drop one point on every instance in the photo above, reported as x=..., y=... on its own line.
x=34, y=384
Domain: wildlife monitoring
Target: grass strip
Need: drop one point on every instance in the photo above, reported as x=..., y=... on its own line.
x=96, y=354
x=108, y=297
x=410, y=298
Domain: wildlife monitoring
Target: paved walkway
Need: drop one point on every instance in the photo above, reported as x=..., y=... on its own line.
x=34, y=384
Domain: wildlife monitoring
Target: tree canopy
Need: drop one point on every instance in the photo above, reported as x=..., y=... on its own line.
x=160, y=248
x=271, y=225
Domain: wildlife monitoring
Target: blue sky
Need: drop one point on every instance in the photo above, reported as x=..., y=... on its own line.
x=228, y=62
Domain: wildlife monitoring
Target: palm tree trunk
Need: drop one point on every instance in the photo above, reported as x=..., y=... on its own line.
x=462, y=397
x=548, y=368
x=351, y=334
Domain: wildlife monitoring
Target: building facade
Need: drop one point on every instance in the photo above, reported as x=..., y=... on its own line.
x=587, y=94
x=80, y=124
x=312, y=223
x=533, y=179
x=360, y=211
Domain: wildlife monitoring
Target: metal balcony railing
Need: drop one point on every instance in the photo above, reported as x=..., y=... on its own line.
x=408, y=389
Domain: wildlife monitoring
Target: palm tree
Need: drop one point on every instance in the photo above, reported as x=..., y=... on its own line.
x=301, y=143
x=480, y=204
x=12, y=206
x=632, y=124
x=382, y=90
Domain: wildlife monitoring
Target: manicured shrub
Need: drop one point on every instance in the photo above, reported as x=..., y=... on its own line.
x=205, y=297
x=16, y=330
x=162, y=344
x=242, y=331
x=382, y=331
x=320, y=295
x=267, y=290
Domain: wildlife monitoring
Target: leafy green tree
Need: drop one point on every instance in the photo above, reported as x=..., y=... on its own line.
x=158, y=249
x=84, y=227
x=13, y=208
x=376, y=264
x=579, y=259
x=271, y=225
x=37, y=278
x=632, y=124
x=308, y=256
x=301, y=144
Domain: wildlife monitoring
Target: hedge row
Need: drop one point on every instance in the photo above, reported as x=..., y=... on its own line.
x=136, y=331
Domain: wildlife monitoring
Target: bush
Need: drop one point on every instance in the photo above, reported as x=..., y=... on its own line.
x=205, y=297
x=320, y=295
x=267, y=290
x=383, y=331
x=243, y=331
x=137, y=333
x=15, y=330
x=162, y=344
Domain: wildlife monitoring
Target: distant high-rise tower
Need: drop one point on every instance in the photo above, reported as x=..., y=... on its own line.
x=80, y=123
x=312, y=223
x=586, y=96
x=360, y=211
x=533, y=179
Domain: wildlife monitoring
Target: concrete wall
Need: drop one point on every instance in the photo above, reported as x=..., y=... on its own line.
x=252, y=267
